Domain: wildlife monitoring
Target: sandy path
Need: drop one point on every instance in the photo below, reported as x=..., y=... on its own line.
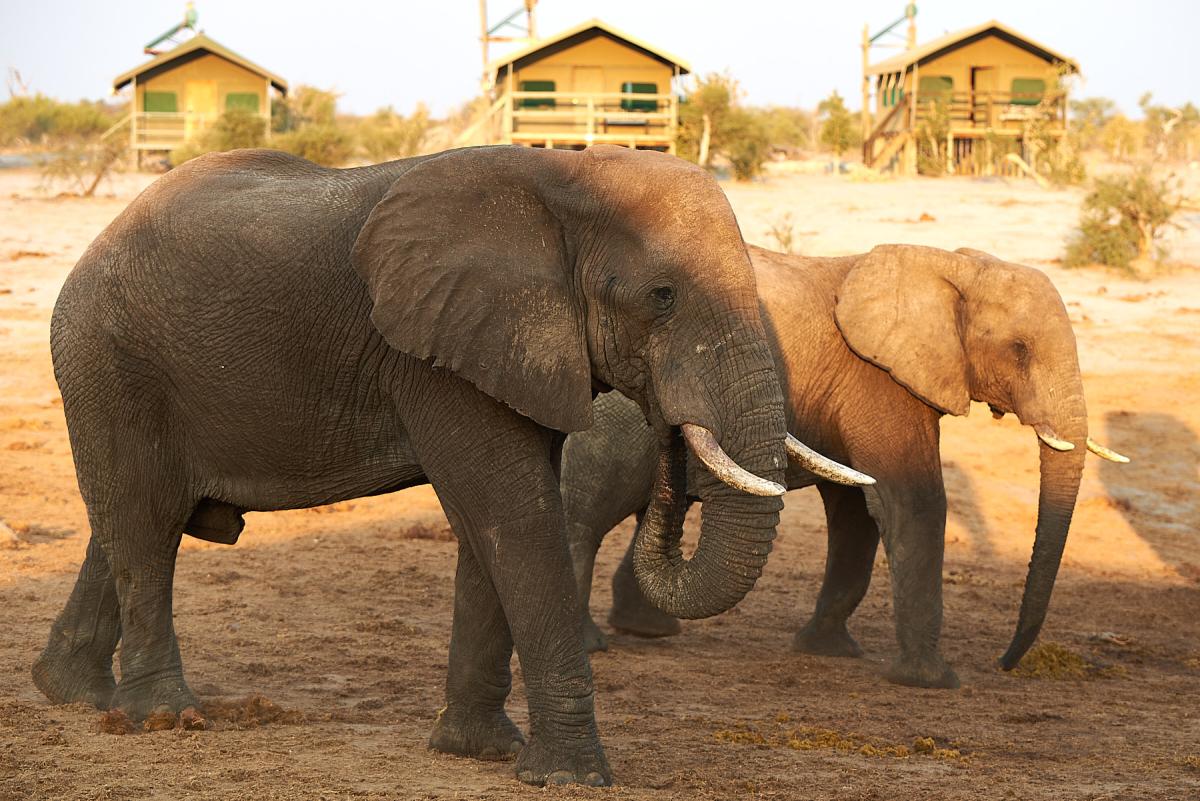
x=343, y=613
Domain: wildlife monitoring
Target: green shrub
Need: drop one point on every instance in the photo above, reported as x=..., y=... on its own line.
x=1122, y=219
x=234, y=129
x=326, y=144
x=747, y=145
x=82, y=167
x=38, y=121
x=387, y=135
x=931, y=136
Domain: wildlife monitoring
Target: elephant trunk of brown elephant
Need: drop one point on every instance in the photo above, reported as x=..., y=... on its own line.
x=737, y=527
x=1060, y=474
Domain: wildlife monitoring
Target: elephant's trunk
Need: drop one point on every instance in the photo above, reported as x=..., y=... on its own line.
x=1060, y=474
x=737, y=528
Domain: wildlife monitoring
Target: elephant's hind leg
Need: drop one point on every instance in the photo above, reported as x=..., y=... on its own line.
x=76, y=664
x=853, y=540
x=138, y=509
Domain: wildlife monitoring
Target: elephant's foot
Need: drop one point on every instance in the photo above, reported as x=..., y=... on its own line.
x=68, y=677
x=161, y=699
x=593, y=638
x=491, y=736
x=929, y=671
x=567, y=760
x=830, y=639
x=633, y=614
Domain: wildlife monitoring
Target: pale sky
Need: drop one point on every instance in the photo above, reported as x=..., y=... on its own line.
x=787, y=52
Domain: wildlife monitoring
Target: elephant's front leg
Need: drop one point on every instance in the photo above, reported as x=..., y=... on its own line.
x=911, y=513
x=473, y=722
x=493, y=471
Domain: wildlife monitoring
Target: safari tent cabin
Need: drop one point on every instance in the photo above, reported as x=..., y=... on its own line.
x=589, y=84
x=989, y=80
x=179, y=93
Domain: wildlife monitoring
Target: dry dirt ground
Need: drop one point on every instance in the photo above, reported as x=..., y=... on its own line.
x=341, y=615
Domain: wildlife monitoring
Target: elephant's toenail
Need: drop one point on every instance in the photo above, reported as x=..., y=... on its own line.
x=560, y=777
x=594, y=779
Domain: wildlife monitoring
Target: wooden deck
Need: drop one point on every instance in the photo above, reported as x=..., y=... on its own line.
x=566, y=119
x=165, y=130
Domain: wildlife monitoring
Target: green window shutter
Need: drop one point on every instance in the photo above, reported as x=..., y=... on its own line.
x=935, y=87
x=536, y=102
x=159, y=101
x=632, y=104
x=1028, y=91
x=241, y=100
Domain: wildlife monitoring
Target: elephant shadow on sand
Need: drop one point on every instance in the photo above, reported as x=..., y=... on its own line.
x=1158, y=493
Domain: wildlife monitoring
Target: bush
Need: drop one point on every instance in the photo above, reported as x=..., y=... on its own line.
x=325, y=144
x=39, y=121
x=787, y=129
x=234, y=129
x=747, y=145
x=931, y=139
x=388, y=135
x=83, y=167
x=1121, y=221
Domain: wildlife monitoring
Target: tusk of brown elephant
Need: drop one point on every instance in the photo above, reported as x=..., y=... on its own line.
x=823, y=466
x=707, y=450
x=1106, y=453
x=1047, y=436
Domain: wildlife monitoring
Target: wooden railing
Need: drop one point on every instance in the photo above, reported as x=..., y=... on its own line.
x=165, y=130
x=578, y=118
x=997, y=110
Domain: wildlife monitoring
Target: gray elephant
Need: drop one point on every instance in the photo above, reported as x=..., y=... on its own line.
x=872, y=351
x=257, y=333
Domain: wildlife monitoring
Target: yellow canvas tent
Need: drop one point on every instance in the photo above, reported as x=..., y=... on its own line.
x=588, y=84
x=177, y=94
x=989, y=80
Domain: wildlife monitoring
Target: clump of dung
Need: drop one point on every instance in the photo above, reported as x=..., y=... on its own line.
x=251, y=712
x=1051, y=660
x=114, y=721
x=776, y=734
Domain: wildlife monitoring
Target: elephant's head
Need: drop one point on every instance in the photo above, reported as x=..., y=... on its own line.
x=963, y=326
x=544, y=276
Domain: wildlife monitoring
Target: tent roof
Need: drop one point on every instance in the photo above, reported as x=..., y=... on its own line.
x=952, y=41
x=581, y=33
x=199, y=45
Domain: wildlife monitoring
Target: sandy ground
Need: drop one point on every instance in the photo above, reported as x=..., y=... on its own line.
x=342, y=614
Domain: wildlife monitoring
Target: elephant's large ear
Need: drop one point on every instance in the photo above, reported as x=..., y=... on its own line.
x=468, y=267
x=899, y=309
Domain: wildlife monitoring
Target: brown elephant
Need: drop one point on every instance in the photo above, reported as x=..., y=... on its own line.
x=872, y=350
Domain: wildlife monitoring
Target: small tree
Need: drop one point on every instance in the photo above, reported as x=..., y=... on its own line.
x=838, y=130
x=1122, y=219
x=712, y=122
x=931, y=138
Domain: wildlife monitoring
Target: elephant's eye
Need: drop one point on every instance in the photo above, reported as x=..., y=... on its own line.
x=663, y=297
x=1021, y=354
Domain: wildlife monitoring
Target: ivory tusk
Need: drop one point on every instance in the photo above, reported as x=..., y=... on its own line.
x=707, y=450
x=1106, y=453
x=823, y=466
x=1047, y=436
